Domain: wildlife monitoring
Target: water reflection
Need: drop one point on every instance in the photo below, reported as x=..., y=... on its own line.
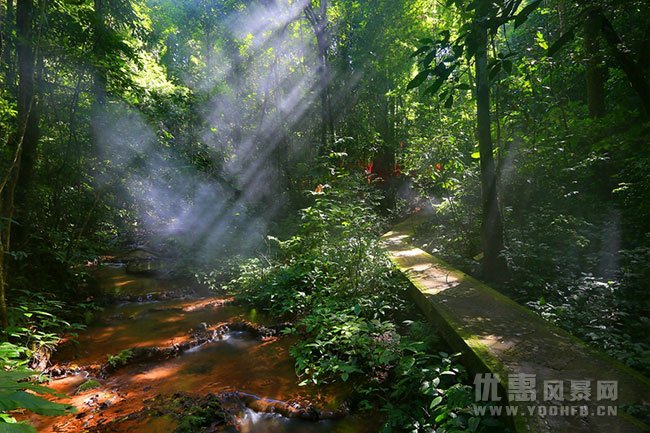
x=238, y=362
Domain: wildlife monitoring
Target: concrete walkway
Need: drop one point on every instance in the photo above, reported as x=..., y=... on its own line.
x=497, y=335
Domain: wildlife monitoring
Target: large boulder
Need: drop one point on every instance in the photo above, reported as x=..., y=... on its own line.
x=141, y=260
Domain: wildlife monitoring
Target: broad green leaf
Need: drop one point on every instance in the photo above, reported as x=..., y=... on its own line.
x=523, y=15
x=20, y=427
x=436, y=401
x=407, y=363
x=433, y=89
x=31, y=402
x=419, y=79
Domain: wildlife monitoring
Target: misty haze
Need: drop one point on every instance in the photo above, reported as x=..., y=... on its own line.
x=324, y=216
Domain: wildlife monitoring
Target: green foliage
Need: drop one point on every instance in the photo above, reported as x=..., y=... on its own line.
x=88, y=385
x=13, y=356
x=429, y=393
x=120, y=360
x=14, y=396
x=199, y=418
x=336, y=283
x=573, y=188
x=337, y=343
x=192, y=414
x=36, y=324
x=334, y=255
x=600, y=312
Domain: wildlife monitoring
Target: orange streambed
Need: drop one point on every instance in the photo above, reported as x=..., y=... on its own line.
x=236, y=363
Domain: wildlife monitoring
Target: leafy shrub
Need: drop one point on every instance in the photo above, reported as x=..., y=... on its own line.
x=88, y=385
x=36, y=323
x=334, y=279
x=120, y=360
x=13, y=356
x=17, y=391
x=597, y=311
x=340, y=343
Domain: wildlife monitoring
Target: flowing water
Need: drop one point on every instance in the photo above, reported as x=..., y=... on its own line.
x=238, y=362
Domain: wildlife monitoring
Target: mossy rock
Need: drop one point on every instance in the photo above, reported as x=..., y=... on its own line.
x=120, y=360
x=194, y=414
x=87, y=386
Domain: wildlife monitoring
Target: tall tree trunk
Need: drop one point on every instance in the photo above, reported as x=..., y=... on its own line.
x=322, y=68
x=235, y=81
x=4, y=318
x=632, y=69
x=320, y=24
x=27, y=160
x=99, y=115
x=596, y=72
x=99, y=87
x=25, y=55
x=494, y=266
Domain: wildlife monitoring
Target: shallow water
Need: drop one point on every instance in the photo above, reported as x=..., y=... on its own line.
x=239, y=362
x=253, y=422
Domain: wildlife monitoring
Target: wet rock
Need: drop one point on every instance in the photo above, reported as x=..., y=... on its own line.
x=216, y=412
x=60, y=371
x=145, y=267
x=141, y=260
x=259, y=331
x=87, y=386
x=306, y=412
x=199, y=335
x=201, y=327
x=140, y=252
x=191, y=413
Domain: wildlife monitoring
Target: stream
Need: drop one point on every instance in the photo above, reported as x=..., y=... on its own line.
x=135, y=397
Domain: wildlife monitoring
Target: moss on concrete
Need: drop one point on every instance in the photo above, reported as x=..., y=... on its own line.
x=498, y=335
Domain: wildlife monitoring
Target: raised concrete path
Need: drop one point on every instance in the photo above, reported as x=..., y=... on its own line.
x=497, y=335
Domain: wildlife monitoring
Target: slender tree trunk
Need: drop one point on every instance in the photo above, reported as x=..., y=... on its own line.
x=324, y=45
x=99, y=115
x=596, y=72
x=66, y=162
x=235, y=82
x=323, y=101
x=4, y=319
x=99, y=87
x=27, y=160
x=3, y=28
x=281, y=130
x=320, y=24
x=494, y=266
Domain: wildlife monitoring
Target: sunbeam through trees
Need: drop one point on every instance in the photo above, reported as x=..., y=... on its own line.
x=277, y=215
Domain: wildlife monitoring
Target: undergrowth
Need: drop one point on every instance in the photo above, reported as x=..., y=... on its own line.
x=333, y=279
